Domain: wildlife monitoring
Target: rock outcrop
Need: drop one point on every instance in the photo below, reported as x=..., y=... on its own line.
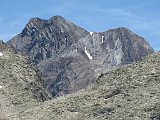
x=71, y=58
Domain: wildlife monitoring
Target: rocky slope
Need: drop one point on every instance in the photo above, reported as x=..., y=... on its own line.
x=71, y=58
x=127, y=93
x=4, y=47
x=20, y=86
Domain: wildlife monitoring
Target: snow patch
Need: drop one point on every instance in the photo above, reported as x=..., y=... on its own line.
x=118, y=53
x=91, y=33
x=102, y=39
x=1, y=54
x=88, y=54
x=75, y=50
x=0, y=87
x=61, y=29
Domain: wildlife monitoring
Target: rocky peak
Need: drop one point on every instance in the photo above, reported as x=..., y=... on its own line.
x=65, y=26
x=70, y=58
x=2, y=46
x=5, y=47
x=123, y=29
x=47, y=38
x=57, y=18
x=134, y=47
x=1, y=42
x=33, y=26
x=126, y=34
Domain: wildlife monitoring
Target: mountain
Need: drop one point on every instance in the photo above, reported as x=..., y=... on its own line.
x=5, y=47
x=130, y=92
x=20, y=83
x=71, y=58
x=43, y=39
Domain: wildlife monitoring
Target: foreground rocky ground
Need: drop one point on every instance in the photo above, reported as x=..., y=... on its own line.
x=131, y=92
x=20, y=87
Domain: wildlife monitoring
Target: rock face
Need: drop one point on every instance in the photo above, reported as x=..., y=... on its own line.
x=70, y=58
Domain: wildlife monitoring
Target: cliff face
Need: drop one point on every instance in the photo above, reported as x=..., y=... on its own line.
x=70, y=58
x=43, y=39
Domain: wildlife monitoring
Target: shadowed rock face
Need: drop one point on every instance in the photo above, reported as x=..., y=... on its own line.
x=42, y=39
x=70, y=58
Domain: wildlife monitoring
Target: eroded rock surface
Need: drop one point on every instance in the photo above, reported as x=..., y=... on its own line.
x=71, y=58
x=127, y=93
x=20, y=85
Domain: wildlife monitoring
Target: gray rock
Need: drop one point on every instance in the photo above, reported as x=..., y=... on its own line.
x=71, y=58
x=130, y=92
x=20, y=85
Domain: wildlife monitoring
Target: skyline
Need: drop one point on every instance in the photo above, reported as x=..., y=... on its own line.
x=141, y=17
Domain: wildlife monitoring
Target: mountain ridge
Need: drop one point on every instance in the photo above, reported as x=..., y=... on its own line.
x=111, y=75
x=55, y=44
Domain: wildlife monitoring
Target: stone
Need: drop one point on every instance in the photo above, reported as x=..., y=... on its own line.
x=70, y=58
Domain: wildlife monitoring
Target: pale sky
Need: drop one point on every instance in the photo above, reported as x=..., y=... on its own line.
x=140, y=16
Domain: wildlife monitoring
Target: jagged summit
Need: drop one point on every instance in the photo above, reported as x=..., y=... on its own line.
x=122, y=30
x=71, y=58
x=132, y=44
x=5, y=47
x=57, y=17
x=36, y=19
x=36, y=25
x=1, y=42
x=54, y=18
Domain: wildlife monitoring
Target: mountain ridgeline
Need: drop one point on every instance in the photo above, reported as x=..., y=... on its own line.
x=70, y=58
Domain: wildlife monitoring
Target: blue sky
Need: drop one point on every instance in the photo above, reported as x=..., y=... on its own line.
x=140, y=16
